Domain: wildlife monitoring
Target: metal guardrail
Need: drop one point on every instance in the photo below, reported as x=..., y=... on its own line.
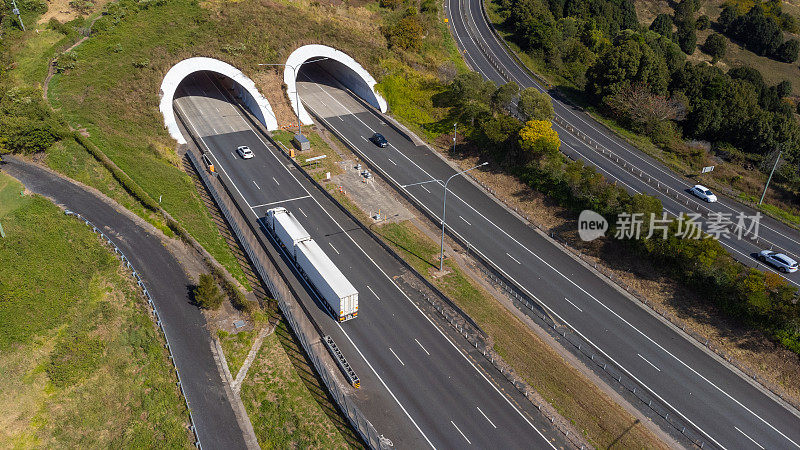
x=300, y=324
x=153, y=311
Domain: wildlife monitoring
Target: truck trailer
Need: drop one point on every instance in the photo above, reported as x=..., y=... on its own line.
x=285, y=226
x=336, y=291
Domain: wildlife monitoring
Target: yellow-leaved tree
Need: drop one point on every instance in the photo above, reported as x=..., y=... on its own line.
x=539, y=140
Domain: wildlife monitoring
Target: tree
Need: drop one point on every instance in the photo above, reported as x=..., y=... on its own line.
x=538, y=139
x=504, y=95
x=687, y=37
x=535, y=105
x=788, y=51
x=629, y=61
x=783, y=89
x=684, y=11
x=534, y=25
x=703, y=22
x=207, y=294
x=638, y=105
x=727, y=17
x=662, y=25
x=32, y=137
x=715, y=46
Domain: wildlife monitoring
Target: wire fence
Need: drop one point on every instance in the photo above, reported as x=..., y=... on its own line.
x=153, y=311
x=301, y=325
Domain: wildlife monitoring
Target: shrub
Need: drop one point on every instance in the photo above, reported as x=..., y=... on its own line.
x=703, y=22
x=207, y=294
x=788, y=51
x=715, y=46
x=662, y=25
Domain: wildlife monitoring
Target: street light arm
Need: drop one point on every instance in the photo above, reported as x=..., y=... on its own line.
x=463, y=172
x=444, y=211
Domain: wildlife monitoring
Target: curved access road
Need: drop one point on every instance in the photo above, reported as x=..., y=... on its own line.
x=585, y=139
x=214, y=417
x=728, y=409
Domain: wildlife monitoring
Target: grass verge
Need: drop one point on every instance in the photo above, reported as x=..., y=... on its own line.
x=603, y=422
x=82, y=363
x=286, y=402
x=236, y=346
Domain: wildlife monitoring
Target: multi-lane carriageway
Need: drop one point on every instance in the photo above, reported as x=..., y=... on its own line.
x=418, y=388
x=614, y=158
x=730, y=410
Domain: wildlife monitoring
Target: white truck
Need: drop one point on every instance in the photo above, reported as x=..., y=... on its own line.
x=285, y=226
x=338, y=293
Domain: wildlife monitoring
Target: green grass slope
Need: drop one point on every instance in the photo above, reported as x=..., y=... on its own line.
x=81, y=360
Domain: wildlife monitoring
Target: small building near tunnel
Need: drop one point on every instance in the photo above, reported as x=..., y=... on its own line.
x=340, y=66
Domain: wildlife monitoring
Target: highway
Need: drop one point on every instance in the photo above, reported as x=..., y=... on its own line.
x=412, y=374
x=730, y=411
x=485, y=54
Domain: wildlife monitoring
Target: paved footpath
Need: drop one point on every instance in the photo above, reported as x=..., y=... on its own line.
x=216, y=422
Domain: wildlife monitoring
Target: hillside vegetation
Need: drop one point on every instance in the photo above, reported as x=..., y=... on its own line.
x=640, y=80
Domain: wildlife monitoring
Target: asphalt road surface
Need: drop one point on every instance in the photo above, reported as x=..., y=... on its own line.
x=402, y=358
x=184, y=324
x=731, y=411
x=474, y=35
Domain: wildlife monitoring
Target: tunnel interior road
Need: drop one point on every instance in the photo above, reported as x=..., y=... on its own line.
x=341, y=65
x=405, y=362
x=243, y=87
x=691, y=381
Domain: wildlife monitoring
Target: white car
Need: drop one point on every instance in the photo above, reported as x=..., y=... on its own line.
x=244, y=151
x=779, y=260
x=704, y=193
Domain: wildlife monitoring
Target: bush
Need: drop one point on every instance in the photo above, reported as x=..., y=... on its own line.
x=687, y=38
x=662, y=25
x=32, y=138
x=715, y=46
x=788, y=51
x=703, y=22
x=393, y=4
x=407, y=33
x=207, y=294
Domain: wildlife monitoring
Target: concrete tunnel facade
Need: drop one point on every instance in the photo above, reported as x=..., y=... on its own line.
x=244, y=88
x=341, y=66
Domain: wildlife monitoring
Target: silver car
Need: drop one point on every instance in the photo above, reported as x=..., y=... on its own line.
x=244, y=151
x=703, y=192
x=778, y=260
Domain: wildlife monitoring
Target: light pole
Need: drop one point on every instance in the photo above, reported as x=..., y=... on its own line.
x=770, y=176
x=444, y=211
x=455, y=134
x=296, y=93
x=15, y=10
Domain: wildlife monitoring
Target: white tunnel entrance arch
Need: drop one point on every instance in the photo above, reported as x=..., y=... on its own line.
x=244, y=87
x=347, y=71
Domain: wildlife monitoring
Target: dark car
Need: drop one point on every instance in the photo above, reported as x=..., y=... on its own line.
x=379, y=140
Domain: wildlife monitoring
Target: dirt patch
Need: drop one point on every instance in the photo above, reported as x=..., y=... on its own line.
x=66, y=10
x=374, y=198
x=270, y=83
